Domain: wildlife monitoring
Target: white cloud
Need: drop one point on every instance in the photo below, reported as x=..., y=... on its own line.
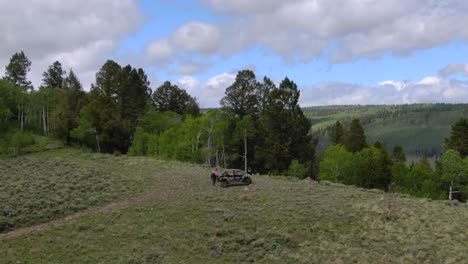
x=428, y=90
x=210, y=91
x=160, y=52
x=187, y=67
x=82, y=34
x=454, y=69
x=343, y=30
x=197, y=37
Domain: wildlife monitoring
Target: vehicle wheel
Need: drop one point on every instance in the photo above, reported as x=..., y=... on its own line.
x=247, y=181
x=224, y=184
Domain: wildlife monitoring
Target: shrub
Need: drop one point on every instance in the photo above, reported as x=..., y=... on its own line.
x=297, y=170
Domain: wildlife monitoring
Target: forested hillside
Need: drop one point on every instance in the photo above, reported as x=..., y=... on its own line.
x=420, y=128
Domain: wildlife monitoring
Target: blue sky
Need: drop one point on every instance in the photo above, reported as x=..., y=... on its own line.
x=337, y=51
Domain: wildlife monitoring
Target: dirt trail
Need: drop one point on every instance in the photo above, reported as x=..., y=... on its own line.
x=148, y=196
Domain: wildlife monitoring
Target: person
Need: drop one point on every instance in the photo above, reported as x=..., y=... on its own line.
x=214, y=175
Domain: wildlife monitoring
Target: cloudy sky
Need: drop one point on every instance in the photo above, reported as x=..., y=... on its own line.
x=337, y=51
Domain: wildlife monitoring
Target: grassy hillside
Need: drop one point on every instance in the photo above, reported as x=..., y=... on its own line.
x=177, y=217
x=420, y=129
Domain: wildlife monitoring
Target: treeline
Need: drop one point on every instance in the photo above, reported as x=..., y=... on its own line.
x=351, y=160
x=259, y=128
x=104, y=119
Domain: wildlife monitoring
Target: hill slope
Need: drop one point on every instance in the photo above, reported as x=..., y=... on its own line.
x=421, y=129
x=182, y=219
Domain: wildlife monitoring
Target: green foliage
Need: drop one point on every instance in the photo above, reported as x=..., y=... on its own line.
x=17, y=70
x=20, y=140
x=297, y=170
x=336, y=165
x=453, y=167
x=420, y=181
x=458, y=139
x=54, y=76
x=169, y=97
x=144, y=144
x=5, y=112
x=371, y=169
x=336, y=135
x=420, y=128
x=355, y=138
x=398, y=154
x=118, y=100
x=240, y=98
x=286, y=129
x=156, y=122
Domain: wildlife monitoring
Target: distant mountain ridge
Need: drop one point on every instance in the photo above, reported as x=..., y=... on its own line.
x=419, y=128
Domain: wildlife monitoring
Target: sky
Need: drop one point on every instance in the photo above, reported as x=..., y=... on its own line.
x=337, y=51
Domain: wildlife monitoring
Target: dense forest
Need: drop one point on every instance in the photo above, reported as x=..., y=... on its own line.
x=260, y=127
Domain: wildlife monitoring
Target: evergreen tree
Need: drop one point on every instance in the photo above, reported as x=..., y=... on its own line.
x=72, y=100
x=54, y=76
x=336, y=135
x=117, y=102
x=17, y=70
x=169, y=97
x=458, y=139
x=370, y=169
x=355, y=139
x=286, y=130
x=398, y=154
x=241, y=97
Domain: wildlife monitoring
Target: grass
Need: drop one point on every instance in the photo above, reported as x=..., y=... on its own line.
x=42, y=187
x=275, y=220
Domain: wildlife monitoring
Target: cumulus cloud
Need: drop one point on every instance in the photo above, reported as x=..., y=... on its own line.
x=431, y=89
x=210, y=91
x=159, y=51
x=81, y=34
x=342, y=30
x=189, y=67
x=454, y=68
x=196, y=37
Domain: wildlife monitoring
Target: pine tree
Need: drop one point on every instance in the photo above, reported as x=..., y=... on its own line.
x=17, y=70
x=458, y=139
x=169, y=97
x=54, y=76
x=241, y=97
x=355, y=139
x=398, y=154
x=336, y=135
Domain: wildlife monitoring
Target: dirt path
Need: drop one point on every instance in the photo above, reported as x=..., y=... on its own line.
x=149, y=196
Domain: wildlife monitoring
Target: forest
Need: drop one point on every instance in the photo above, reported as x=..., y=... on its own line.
x=259, y=127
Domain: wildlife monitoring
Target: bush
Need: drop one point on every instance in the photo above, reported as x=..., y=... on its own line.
x=297, y=170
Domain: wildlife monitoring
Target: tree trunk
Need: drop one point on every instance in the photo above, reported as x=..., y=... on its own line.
x=22, y=119
x=450, y=191
x=245, y=151
x=224, y=158
x=97, y=142
x=44, y=122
